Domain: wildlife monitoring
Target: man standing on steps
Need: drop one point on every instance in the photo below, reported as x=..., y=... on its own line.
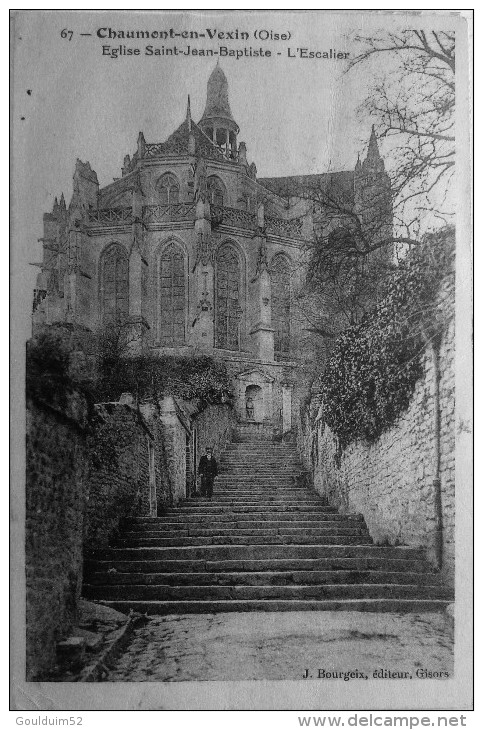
x=208, y=469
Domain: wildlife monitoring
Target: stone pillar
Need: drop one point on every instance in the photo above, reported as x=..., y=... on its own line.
x=73, y=266
x=203, y=326
x=286, y=407
x=263, y=331
x=137, y=279
x=175, y=445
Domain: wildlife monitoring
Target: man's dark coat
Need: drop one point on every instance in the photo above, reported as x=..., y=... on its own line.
x=208, y=468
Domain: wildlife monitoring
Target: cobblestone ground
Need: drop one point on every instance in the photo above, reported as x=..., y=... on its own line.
x=241, y=646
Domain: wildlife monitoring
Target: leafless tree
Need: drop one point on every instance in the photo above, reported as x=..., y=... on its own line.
x=412, y=104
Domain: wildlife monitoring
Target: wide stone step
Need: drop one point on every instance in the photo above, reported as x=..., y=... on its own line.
x=189, y=531
x=281, y=578
x=254, y=468
x=255, y=464
x=263, y=592
x=201, y=509
x=269, y=474
x=334, y=527
x=268, y=481
x=267, y=502
x=267, y=518
x=264, y=463
x=259, y=552
x=240, y=492
x=233, y=539
x=158, y=608
x=277, y=458
x=333, y=564
x=269, y=444
x=286, y=527
x=267, y=484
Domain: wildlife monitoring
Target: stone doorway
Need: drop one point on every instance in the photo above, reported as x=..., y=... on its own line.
x=254, y=406
x=254, y=389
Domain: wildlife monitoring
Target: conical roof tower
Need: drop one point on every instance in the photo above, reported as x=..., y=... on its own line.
x=217, y=120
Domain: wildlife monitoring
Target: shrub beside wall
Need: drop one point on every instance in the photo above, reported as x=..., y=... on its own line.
x=390, y=479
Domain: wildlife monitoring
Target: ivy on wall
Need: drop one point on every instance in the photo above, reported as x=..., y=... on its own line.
x=51, y=377
x=370, y=376
x=189, y=378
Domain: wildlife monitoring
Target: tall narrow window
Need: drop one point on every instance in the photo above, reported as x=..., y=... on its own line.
x=216, y=190
x=280, y=277
x=228, y=310
x=172, y=297
x=168, y=187
x=114, y=279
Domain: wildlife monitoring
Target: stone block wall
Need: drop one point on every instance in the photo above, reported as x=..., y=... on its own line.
x=82, y=479
x=187, y=433
x=125, y=480
x=391, y=480
x=55, y=478
x=176, y=426
x=214, y=427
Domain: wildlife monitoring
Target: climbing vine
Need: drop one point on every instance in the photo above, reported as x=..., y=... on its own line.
x=189, y=378
x=370, y=376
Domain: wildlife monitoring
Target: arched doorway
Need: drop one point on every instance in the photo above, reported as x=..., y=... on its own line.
x=254, y=405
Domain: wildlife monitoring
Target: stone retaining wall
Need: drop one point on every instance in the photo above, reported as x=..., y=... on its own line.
x=55, y=479
x=187, y=432
x=128, y=474
x=82, y=479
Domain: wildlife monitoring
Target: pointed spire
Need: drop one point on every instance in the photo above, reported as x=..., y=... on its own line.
x=373, y=148
x=373, y=160
x=358, y=163
x=141, y=145
x=62, y=201
x=188, y=114
x=126, y=165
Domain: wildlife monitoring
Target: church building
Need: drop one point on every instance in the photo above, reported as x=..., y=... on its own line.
x=194, y=253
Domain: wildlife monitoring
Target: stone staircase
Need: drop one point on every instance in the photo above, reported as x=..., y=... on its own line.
x=263, y=543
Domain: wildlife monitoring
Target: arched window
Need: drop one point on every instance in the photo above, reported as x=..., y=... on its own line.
x=280, y=278
x=114, y=285
x=172, y=292
x=168, y=187
x=216, y=190
x=227, y=302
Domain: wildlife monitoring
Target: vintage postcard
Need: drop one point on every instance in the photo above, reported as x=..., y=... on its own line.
x=242, y=386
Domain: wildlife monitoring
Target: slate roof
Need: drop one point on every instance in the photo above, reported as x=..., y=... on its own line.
x=293, y=185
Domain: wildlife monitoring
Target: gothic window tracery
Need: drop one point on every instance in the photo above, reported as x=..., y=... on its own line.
x=114, y=289
x=216, y=191
x=280, y=279
x=172, y=293
x=168, y=187
x=228, y=299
